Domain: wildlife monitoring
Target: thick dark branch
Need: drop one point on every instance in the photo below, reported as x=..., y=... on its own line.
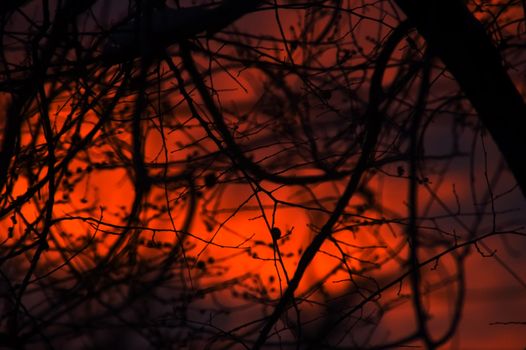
x=461, y=42
x=151, y=34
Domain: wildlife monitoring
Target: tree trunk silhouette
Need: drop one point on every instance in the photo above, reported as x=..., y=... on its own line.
x=461, y=42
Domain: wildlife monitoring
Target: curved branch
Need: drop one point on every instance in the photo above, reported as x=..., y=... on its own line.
x=374, y=124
